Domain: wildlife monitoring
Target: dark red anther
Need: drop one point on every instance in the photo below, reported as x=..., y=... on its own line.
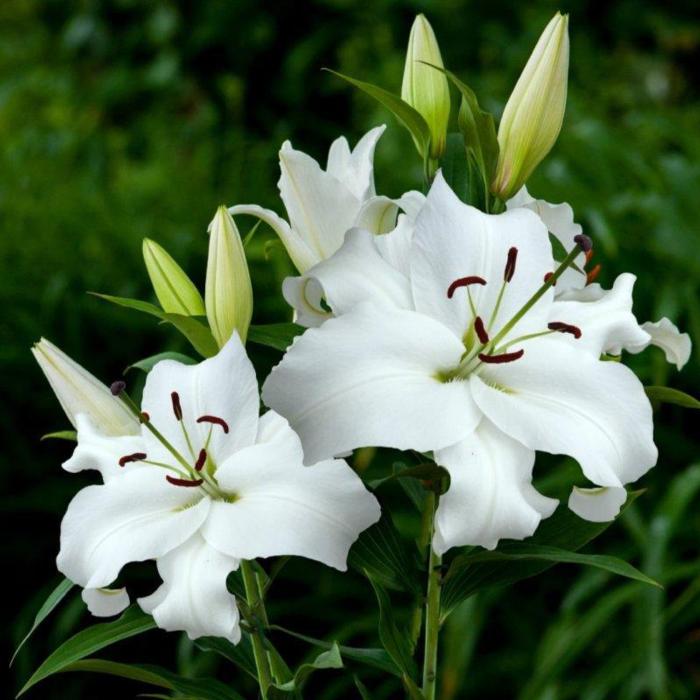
x=215, y=420
x=177, y=408
x=500, y=359
x=200, y=460
x=589, y=255
x=548, y=276
x=584, y=242
x=136, y=457
x=592, y=276
x=184, y=482
x=562, y=327
x=510, y=264
x=464, y=282
x=481, y=331
x=117, y=387
x=144, y=417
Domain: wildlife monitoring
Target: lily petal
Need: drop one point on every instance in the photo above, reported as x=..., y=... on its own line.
x=453, y=240
x=665, y=335
x=136, y=517
x=105, y=602
x=223, y=386
x=372, y=377
x=491, y=496
x=598, y=505
x=355, y=169
x=561, y=401
x=280, y=507
x=101, y=452
x=193, y=597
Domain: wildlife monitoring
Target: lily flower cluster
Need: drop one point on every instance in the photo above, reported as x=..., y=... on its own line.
x=429, y=325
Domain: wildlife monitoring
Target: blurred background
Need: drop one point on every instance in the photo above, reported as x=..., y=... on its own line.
x=121, y=119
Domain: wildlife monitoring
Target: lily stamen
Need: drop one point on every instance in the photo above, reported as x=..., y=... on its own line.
x=561, y=327
x=177, y=407
x=200, y=460
x=215, y=420
x=464, y=282
x=481, y=330
x=510, y=264
x=502, y=358
x=183, y=482
x=135, y=457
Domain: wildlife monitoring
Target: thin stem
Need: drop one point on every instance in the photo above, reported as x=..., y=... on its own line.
x=262, y=663
x=426, y=528
x=432, y=612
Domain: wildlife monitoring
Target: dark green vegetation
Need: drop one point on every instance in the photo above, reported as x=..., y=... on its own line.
x=123, y=119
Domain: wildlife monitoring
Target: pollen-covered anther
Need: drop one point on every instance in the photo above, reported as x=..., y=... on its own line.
x=464, y=282
x=201, y=459
x=592, y=275
x=177, y=407
x=135, y=457
x=215, y=420
x=583, y=242
x=502, y=358
x=481, y=330
x=509, y=270
x=117, y=387
x=562, y=327
x=184, y=482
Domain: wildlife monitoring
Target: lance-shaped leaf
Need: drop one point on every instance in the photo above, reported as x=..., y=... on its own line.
x=199, y=336
x=326, y=660
x=200, y=688
x=409, y=117
x=240, y=654
x=70, y=435
x=563, y=530
x=90, y=640
x=148, y=363
x=665, y=394
x=47, y=607
x=174, y=289
x=275, y=335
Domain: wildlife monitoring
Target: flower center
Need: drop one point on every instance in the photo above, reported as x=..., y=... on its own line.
x=483, y=348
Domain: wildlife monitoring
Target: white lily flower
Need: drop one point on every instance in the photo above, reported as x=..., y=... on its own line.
x=664, y=334
x=457, y=358
x=598, y=505
x=213, y=484
x=322, y=204
x=80, y=392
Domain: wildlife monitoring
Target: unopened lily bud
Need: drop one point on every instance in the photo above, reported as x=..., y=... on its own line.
x=425, y=88
x=228, y=294
x=175, y=290
x=533, y=116
x=78, y=392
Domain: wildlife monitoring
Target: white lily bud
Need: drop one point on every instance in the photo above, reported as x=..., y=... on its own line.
x=534, y=113
x=228, y=294
x=425, y=88
x=78, y=392
x=175, y=290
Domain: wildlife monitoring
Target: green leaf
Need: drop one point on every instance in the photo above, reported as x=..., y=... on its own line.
x=90, y=640
x=275, y=335
x=665, y=394
x=200, y=688
x=526, y=551
x=409, y=117
x=455, y=167
x=381, y=553
x=393, y=640
x=53, y=599
x=375, y=658
x=564, y=530
x=361, y=688
x=326, y=660
x=148, y=363
x=196, y=332
x=70, y=435
x=240, y=654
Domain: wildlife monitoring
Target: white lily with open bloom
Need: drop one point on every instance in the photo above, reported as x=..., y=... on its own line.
x=205, y=484
x=466, y=352
x=323, y=204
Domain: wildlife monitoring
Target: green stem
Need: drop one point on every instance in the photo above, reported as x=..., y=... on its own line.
x=432, y=611
x=262, y=662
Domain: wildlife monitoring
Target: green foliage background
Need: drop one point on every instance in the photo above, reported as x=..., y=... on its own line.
x=121, y=119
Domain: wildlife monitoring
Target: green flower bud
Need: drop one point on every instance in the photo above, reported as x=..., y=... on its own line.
x=78, y=392
x=228, y=294
x=533, y=116
x=175, y=290
x=425, y=88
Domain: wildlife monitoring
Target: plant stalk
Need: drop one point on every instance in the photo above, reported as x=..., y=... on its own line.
x=432, y=610
x=262, y=662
